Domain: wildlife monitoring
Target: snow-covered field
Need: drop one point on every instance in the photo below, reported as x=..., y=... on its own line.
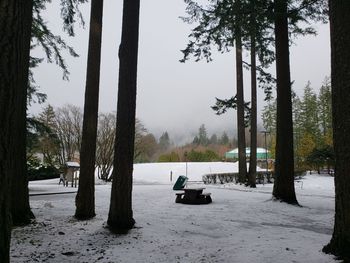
x=241, y=225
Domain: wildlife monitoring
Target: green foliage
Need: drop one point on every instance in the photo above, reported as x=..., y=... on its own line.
x=41, y=138
x=167, y=158
x=221, y=106
x=321, y=157
x=309, y=113
x=202, y=137
x=52, y=44
x=207, y=156
x=312, y=123
x=38, y=171
x=218, y=20
x=269, y=116
x=42, y=173
x=218, y=25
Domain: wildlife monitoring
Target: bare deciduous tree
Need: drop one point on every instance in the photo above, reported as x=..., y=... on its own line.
x=105, y=145
x=140, y=132
x=68, y=126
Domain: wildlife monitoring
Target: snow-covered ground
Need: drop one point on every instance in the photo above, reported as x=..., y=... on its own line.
x=241, y=225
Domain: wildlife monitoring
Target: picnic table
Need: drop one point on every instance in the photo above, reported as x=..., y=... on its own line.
x=194, y=196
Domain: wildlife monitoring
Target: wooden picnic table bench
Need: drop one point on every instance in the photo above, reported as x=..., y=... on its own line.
x=193, y=196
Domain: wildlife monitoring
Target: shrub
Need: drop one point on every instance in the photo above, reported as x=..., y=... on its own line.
x=168, y=158
x=42, y=172
x=207, y=156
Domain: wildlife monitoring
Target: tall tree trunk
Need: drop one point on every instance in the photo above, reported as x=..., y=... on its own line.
x=340, y=67
x=242, y=161
x=253, y=116
x=120, y=217
x=14, y=60
x=85, y=199
x=283, y=188
x=20, y=208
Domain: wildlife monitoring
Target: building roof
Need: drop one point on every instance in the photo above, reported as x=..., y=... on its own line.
x=247, y=150
x=261, y=153
x=73, y=164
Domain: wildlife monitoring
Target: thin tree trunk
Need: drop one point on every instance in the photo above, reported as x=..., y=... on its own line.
x=242, y=162
x=85, y=199
x=120, y=217
x=283, y=188
x=14, y=61
x=20, y=208
x=253, y=116
x=340, y=67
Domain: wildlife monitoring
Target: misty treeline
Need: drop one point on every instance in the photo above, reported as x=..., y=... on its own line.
x=54, y=137
x=312, y=127
x=205, y=147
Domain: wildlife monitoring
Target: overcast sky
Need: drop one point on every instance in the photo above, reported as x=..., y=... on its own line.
x=172, y=96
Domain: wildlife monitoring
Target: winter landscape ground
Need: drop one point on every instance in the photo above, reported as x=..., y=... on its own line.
x=241, y=225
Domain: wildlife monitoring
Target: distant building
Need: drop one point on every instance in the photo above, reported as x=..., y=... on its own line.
x=71, y=173
x=260, y=153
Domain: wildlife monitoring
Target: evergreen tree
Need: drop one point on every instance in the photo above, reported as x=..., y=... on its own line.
x=325, y=109
x=120, y=216
x=164, y=141
x=195, y=140
x=202, y=136
x=309, y=112
x=48, y=143
x=85, y=199
x=213, y=139
x=47, y=116
x=340, y=64
x=224, y=140
x=269, y=116
x=297, y=129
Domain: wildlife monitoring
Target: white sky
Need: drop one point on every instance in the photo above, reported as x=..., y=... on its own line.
x=171, y=96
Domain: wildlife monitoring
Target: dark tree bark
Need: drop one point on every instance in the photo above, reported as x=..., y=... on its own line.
x=340, y=67
x=242, y=161
x=253, y=116
x=283, y=188
x=85, y=199
x=253, y=113
x=14, y=45
x=20, y=208
x=120, y=217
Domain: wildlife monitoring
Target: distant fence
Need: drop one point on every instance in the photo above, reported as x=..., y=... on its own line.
x=222, y=178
